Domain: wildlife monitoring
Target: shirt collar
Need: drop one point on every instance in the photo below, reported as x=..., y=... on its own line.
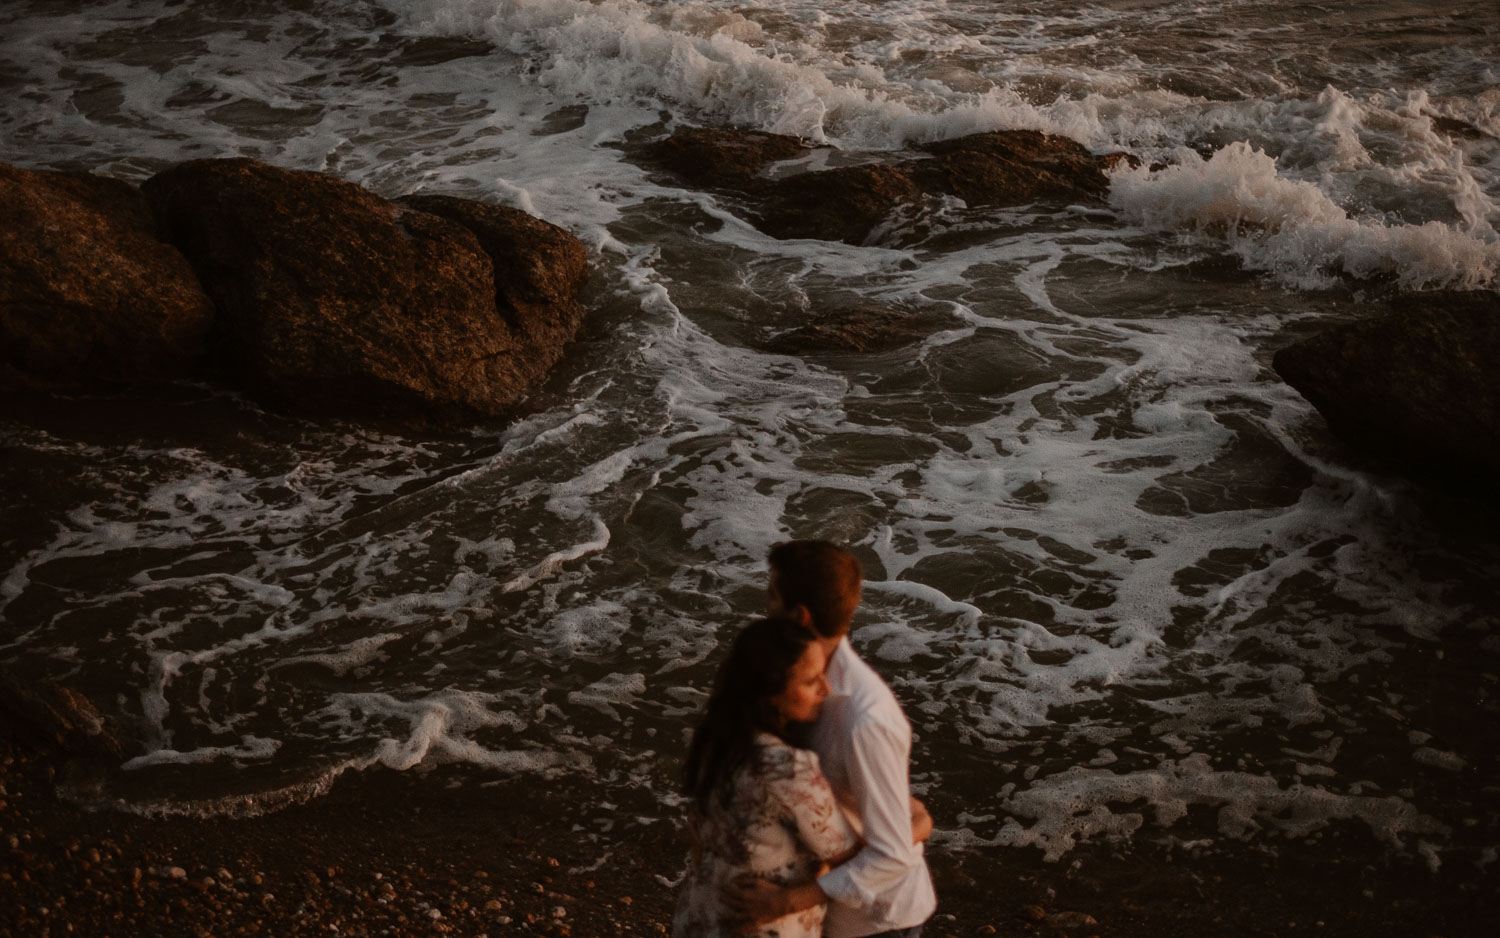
x=839, y=664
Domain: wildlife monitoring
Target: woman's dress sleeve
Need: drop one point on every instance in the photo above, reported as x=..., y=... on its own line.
x=810, y=804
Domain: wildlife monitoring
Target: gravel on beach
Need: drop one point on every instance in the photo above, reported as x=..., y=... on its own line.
x=454, y=851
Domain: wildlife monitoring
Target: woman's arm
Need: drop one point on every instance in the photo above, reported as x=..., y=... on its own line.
x=824, y=831
x=921, y=830
x=845, y=857
x=761, y=901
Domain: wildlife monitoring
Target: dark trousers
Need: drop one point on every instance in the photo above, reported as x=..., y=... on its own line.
x=913, y=932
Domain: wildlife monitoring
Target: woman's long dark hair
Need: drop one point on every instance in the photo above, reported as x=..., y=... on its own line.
x=759, y=663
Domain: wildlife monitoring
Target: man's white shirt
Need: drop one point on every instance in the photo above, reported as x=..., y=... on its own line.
x=863, y=741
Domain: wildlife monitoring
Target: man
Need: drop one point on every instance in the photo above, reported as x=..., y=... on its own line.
x=863, y=741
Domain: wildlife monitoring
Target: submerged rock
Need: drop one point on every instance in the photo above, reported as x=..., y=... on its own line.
x=333, y=300
x=88, y=294
x=1417, y=386
x=1453, y=127
x=861, y=328
x=47, y=714
x=846, y=204
x=850, y=203
x=723, y=157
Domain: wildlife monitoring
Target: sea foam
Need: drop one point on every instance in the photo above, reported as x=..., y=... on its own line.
x=1293, y=230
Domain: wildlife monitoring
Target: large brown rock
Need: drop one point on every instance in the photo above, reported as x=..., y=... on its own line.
x=332, y=299
x=539, y=270
x=1418, y=386
x=1012, y=167
x=87, y=292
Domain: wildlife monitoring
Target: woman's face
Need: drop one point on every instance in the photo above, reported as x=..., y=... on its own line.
x=806, y=686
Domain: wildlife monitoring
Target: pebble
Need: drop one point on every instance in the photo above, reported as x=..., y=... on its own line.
x=1071, y=920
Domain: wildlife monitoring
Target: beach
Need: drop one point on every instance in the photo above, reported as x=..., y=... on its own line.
x=456, y=852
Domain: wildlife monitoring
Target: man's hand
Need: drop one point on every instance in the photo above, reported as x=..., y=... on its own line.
x=921, y=821
x=755, y=900
x=758, y=901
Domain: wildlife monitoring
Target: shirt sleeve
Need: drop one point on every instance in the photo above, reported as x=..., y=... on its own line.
x=877, y=761
x=821, y=826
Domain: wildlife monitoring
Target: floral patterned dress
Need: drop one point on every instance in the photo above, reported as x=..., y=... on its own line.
x=781, y=823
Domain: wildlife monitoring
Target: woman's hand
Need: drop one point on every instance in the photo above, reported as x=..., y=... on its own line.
x=921, y=821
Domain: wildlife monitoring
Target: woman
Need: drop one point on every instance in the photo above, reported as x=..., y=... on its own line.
x=759, y=805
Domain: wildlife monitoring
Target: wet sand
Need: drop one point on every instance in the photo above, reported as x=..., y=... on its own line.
x=458, y=852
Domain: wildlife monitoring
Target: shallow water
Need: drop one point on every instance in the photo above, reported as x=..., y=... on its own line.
x=1119, y=575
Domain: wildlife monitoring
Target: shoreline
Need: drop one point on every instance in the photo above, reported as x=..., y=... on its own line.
x=456, y=851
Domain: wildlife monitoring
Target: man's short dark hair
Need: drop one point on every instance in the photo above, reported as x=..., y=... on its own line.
x=821, y=577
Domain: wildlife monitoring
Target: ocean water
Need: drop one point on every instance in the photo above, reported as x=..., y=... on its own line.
x=1124, y=582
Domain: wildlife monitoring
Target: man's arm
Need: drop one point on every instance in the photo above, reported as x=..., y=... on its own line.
x=877, y=772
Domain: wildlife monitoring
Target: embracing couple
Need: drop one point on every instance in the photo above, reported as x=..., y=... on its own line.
x=801, y=820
